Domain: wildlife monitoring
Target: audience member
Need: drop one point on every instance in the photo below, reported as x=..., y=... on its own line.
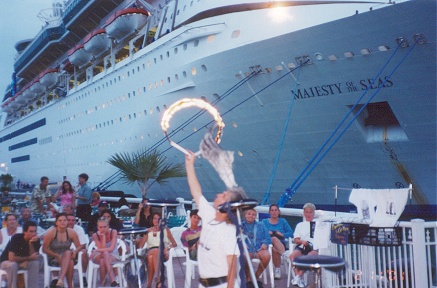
x=152, y=238
x=52, y=207
x=6, y=198
x=83, y=196
x=22, y=253
x=10, y=230
x=68, y=209
x=40, y=194
x=25, y=216
x=143, y=217
x=66, y=194
x=83, y=239
x=56, y=244
x=257, y=241
x=92, y=224
x=279, y=231
x=95, y=199
x=105, y=253
x=114, y=222
x=303, y=238
x=190, y=237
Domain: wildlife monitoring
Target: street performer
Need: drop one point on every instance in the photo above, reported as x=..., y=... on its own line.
x=218, y=249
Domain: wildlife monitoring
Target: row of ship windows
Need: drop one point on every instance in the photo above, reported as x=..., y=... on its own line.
x=115, y=121
x=124, y=97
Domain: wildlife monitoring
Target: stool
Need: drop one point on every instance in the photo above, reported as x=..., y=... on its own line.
x=316, y=262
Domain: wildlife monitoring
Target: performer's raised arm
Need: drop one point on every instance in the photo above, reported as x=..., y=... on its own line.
x=193, y=183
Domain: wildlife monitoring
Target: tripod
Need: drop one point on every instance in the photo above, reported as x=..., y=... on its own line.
x=239, y=207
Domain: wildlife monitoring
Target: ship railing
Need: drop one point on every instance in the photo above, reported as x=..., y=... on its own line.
x=408, y=264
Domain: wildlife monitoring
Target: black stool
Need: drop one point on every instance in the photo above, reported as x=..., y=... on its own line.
x=316, y=262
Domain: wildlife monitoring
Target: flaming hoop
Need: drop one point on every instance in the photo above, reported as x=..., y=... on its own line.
x=185, y=103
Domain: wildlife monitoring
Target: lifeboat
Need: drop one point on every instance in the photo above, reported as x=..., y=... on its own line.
x=7, y=106
x=27, y=94
x=19, y=98
x=97, y=42
x=36, y=87
x=125, y=22
x=49, y=77
x=67, y=67
x=79, y=56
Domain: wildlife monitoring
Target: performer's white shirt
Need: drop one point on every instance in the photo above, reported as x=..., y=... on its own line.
x=217, y=241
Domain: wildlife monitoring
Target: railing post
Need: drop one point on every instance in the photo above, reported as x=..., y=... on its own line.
x=419, y=255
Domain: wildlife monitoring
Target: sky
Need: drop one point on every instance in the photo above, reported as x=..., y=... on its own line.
x=18, y=21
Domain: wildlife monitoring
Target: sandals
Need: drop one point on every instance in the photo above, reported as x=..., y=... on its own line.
x=114, y=284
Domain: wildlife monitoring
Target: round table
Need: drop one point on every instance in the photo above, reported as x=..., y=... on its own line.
x=317, y=262
x=130, y=233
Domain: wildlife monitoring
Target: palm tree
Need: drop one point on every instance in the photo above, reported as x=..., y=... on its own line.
x=142, y=166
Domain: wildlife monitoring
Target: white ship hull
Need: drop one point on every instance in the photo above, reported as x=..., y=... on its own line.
x=120, y=110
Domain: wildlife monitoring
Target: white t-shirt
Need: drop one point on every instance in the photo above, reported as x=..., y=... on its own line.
x=217, y=241
x=83, y=238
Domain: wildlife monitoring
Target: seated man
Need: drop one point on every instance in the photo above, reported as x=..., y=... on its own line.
x=22, y=253
x=10, y=230
x=190, y=237
x=25, y=216
x=92, y=225
x=257, y=241
x=83, y=239
x=303, y=238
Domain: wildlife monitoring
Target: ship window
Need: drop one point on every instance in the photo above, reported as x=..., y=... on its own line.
x=160, y=56
x=151, y=111
x=130, y=116
x=168, y=79
x=235, y=34
x=168, y=54
x=365, y=51
x=156, y=84
x=148, y=63
x=150, y=86
x=185, y=6
x=138, y=68
x=158, y=109
x=133, y=93
x=133, y=71
x=128, y=73
x=191, y=3
x=196, y=43
x=203, y=98
x=164, y=106
x=135, y=115
x=185, y=46
x=144, y=66
x=332, y=57
x=175, y=50
x=211, y=38
x=348, y=54
x=121, y=119
x=184, y=74
x=176, y=76
x=383, y=48
x=193, y=71
x=112, y=121
x=162, y=82
x=128, y=95
x=177, y=13
x=144, y=89
x=145, y=112
x=154, y=59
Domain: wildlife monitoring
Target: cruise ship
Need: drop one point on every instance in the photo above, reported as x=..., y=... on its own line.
x=314, y=94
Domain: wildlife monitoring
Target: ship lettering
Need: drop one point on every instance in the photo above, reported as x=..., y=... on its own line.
x=318, y=91
x=384, y=82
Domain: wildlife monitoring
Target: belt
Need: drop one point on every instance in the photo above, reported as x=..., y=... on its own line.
x=211, y=282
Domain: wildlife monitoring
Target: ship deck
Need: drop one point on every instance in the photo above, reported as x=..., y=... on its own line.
x=179, y=272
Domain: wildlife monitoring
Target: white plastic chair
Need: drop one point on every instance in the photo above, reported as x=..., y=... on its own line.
x=270, y=268
x=190, y=266
x=49, y=269
x=174, y=253
x=119, y=265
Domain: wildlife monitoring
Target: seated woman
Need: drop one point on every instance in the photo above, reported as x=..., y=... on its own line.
x=303, y=239
x=152, y=238
x=279, y=231
x=258, y=241
x=143, y=217
x=105, y=252
x=114, y=222
x=56, y=244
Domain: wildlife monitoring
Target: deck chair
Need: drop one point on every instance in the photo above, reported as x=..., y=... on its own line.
x=119, y=265
x=49, y=269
